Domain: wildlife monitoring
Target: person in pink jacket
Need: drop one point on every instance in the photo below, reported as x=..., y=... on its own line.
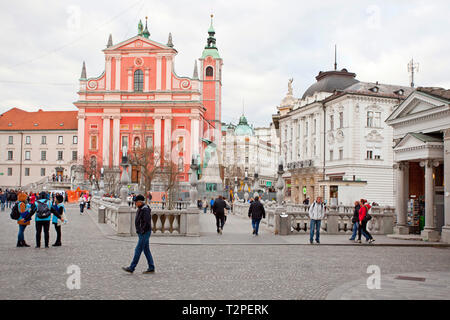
x=365, y=207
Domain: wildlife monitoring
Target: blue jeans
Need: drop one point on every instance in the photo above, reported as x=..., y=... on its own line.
x=355, y=231
x=255, y=224
x=315, y=224
x=143, y=245
x=2, y=206
x=20, y=236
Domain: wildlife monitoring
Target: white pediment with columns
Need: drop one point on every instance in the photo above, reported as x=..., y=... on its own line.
x=420, y=112
x=412, y=148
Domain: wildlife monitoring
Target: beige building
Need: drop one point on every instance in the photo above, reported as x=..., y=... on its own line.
x=37, y=146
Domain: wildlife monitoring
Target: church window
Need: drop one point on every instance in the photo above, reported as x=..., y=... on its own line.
x=331, y=122
x=341, y=119
x=209, y=72
x=138, y=80
x=93, y=142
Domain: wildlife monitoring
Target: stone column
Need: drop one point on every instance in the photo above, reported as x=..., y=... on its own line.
x=429, y=233
x=116, y=140
x=118, y=67
x=106, y=135
x=108, y=77
x=167, y=135
x=130, y=79
x=401, y=209
x=158, y=133
x=168, y=73
x=158, y=72
x=194, y=135
x=81, y=124
x=147, y=80
x=445, y=235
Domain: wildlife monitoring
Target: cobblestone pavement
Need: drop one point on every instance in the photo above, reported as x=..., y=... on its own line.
x=208, y=271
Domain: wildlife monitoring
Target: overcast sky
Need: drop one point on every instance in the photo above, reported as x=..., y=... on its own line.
x=262, y=44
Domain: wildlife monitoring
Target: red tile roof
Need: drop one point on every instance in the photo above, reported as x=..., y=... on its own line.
x=18, y=119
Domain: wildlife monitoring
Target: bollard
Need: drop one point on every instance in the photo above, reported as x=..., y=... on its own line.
x=101, y=214
x=285, y=228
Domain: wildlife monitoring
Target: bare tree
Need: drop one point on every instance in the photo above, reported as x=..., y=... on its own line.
x=111, y=179
x=147, y=160
x=91, y=169
x=170, y=177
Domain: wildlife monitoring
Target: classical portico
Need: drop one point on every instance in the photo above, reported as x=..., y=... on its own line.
x=422, y=161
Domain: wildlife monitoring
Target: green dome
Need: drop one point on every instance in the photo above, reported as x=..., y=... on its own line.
x=243, y=129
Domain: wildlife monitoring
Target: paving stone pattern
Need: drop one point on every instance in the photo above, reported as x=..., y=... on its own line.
x=220, y=267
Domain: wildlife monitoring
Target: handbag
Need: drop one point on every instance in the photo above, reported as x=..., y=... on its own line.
x=59, y=223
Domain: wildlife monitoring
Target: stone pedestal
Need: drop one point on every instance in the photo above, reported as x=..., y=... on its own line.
x=401, y=230
x=332, y=224
x=190, y=223
x=124, y=221
x=445, y=234
x=430, y=235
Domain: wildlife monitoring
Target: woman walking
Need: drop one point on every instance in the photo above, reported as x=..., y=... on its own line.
x=365, y=207
x=58, y=210
x=24, y=220
x=82, y=203
x=355, y=221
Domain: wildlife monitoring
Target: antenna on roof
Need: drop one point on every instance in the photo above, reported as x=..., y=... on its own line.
x=335, y=58
x=411, y=68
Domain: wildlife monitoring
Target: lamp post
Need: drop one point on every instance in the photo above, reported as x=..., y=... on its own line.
x=280, y=183
x=102, y=183
x=193, y=192
x=255, y=183
x=125, y=179
x=246, y=186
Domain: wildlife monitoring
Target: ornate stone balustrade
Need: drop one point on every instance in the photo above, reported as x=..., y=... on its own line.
x=164, y=222
x=338, y=219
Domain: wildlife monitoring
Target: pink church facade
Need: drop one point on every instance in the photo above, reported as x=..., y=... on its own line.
x=139, y=99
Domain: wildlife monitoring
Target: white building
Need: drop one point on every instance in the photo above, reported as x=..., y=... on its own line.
x=334, y=141
x=248, y=150
x=421, y=125
x=36, y=145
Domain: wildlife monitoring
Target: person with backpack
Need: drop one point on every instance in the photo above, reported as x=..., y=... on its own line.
x=21, y=213
x=43, y=218
x=256, y=212
x=316, y=214
x=364, y=217
x=58, y=214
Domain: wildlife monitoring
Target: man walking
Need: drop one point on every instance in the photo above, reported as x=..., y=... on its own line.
x=256, y=212
x=316, y=214
x=218, y=208
x=143, y=223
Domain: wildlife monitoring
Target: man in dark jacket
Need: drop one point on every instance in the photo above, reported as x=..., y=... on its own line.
x=143, y=223
x=218, y=208
x=256, y=212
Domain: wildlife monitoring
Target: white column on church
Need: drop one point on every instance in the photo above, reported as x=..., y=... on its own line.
x=130, y=79
x=429, y=232
x=168, y=73
x=400, y=206
x=105, y=144
x=158, y=72
x=157, y=135
x=167, y=135
x=118, y=68
x=445, y=234
x=116, y=140
x=81, y=124
x=195, y=135
x=147, y=80
x=108, y=77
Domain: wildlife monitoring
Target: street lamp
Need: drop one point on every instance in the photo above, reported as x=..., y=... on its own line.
x=102, y=182
x=280, y=182
x=125, y=179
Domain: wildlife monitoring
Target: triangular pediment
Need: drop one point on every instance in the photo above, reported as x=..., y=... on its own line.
x=416, y=104
x=139, y=43
x=409, y=141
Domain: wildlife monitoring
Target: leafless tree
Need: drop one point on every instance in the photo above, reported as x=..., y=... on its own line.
x=111, y=178
x=91, y=169
x=147, y=159
x=170, y=176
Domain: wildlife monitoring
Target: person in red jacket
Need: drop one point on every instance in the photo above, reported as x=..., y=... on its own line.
x=365, y=207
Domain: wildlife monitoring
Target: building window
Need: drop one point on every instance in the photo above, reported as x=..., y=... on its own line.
x=60, y=155
x=137, y=142
x=331, y=155
x=373, y=119
x=27, y=172
x=60, y=139
x=10, y=155
x=180, y=164
x=306, y=128
x=209, y=72
x=93, y=145
x=9, y=171
x=43, y=155
x=27, y=155
x=28, y=140
x=331, y=122
x=314, y=127
x=369, y=154
x=44, y=140
x=75, y=139
x=42, y=172
x=124, y=142
x=341, y=154
x=74, y=155
x=377, y=153
x=10, y=140
x=341, y=119
x=138, y=80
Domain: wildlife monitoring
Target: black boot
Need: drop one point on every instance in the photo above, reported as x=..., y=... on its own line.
x=19, y=243
x=25, y=244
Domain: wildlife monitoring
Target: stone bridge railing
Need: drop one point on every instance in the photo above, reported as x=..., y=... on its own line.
x=338, y=219
x=164, y=222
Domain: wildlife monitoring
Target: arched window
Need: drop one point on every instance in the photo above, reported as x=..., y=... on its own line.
x=209, y=72
x=137, y=142
x=138, y=80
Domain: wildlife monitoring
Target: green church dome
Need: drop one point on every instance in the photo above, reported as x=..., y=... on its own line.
x=243, y=129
